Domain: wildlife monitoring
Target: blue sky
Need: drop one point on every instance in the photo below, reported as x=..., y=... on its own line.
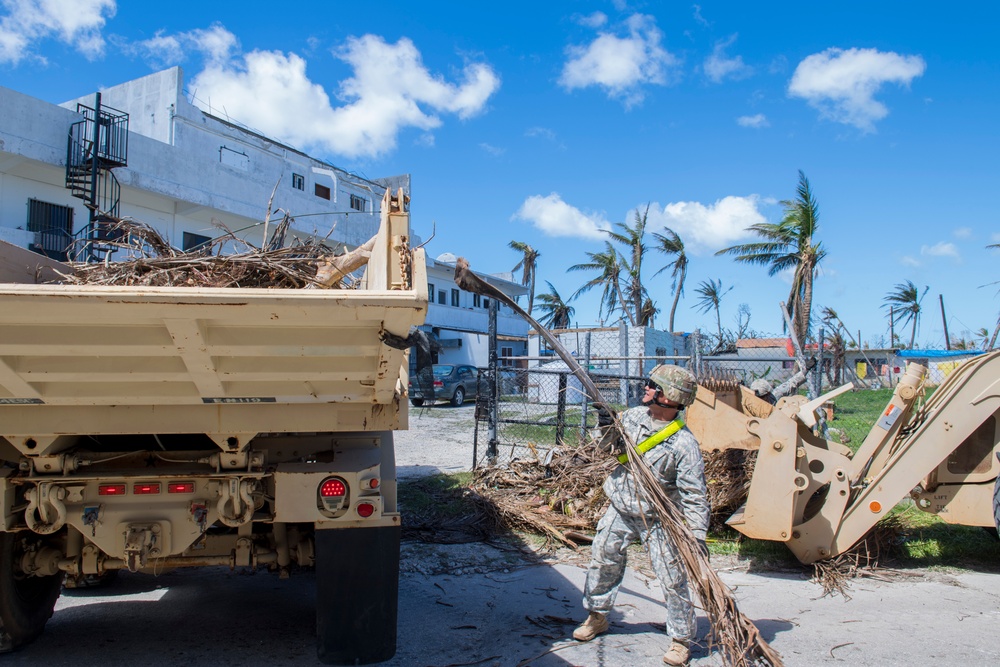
x=547, y=122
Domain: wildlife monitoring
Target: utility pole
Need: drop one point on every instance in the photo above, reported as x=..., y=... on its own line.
x=892, y=330
x=944, y=320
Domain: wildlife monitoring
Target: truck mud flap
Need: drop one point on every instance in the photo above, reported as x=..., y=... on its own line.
x=357, y=594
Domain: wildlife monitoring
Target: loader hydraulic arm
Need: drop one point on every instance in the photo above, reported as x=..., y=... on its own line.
x=816, y=497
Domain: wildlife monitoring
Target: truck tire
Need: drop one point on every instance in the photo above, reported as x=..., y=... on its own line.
x=357, y=594
x=26, y=603
x=458, y=398
x=417, y=402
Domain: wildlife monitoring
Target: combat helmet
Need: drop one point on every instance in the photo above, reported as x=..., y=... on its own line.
x=676, y=383
x=761, y=387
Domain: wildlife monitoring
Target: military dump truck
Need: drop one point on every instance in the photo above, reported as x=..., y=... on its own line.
x=147, y=428
x=820, y=499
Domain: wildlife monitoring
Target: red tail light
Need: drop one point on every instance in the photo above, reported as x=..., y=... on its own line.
x=332, y=488
x=146, y=489
x=180, y=487
x=111, y=490
x=365, y=510
x=438, y=383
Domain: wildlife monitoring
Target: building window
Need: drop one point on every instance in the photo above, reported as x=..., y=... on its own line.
x=322, y=191
x=505, y=356
x=477, y=300
x=359, y=203
x=454, y=298
x=53, y=228
x=441, y=296
x=194, y=242
x=486, y=304
x=298, y=181
x=430, y=291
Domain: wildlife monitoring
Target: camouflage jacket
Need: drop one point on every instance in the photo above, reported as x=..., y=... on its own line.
x=676, y=464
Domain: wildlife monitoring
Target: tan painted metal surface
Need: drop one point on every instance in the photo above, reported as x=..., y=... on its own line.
x=818, y=498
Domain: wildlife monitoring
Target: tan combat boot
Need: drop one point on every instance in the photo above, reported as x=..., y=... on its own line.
x=678, y=654
x=596, y=624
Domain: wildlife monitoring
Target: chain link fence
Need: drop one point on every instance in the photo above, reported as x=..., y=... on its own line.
x=534, y=404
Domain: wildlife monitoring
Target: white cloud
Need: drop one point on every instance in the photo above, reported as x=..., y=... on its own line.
x=495, y=151
x=390, y=90
x=757, y=120
x=707, y=228
x=941, y=249
x=216, y=44
x=963, y=233
x=906, y=260
x=719, y=66
x=842, y=84
x=595, y=20
x=74, y=22
x=699, y=18
x=540, y=132
x=621, y=65
x=554, y=217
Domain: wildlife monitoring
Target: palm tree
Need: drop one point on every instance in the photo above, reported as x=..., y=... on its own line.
x=671, y=245
x=993, y=339
x=557, y=313
x=905, y=306
x=609, y=266
x=633, y=238
x=711, y=296
x=529, y=262
x=648, y=312
x=981, y=337
x=789, y=244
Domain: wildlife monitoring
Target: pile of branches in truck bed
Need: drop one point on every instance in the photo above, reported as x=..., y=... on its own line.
x=151, y=261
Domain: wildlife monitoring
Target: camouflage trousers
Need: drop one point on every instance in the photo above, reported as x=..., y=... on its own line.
x=615, y=532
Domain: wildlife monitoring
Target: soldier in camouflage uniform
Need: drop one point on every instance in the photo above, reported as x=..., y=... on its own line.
x=677, y=464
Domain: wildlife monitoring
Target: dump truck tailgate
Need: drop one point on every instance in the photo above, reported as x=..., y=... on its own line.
x=197, y=355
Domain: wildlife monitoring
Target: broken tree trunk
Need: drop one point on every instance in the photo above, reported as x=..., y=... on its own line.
x=738, y=638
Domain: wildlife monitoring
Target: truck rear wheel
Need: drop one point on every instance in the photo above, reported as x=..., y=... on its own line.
x=357, y=594
x=26, y=603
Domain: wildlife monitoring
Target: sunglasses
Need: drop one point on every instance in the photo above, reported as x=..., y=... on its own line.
x=652, y=385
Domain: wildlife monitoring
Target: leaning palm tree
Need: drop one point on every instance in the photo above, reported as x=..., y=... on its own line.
x=904, y=305
x=981, y=337
x=557, y=312
x=711, y=296
x=608, y=264
x=671, y=245
x=789, y=244
x=528, y=262
x=634, y=239
x=648, y=312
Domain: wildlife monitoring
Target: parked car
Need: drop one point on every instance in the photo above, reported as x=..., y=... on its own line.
x=452, y=382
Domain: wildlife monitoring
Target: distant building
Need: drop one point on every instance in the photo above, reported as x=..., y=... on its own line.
x=459, y=320
x=617, y=358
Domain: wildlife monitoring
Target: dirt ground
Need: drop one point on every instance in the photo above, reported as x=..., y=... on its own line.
x=486, y=604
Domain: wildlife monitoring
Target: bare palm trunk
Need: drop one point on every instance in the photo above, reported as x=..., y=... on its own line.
x=913, y=332
x=993, y=338
x=677, y=297
x=531, y=294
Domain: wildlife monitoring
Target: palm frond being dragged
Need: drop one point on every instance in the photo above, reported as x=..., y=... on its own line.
x=738, y=638
x=151, y=261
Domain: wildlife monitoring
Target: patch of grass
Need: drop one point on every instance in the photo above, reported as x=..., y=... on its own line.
x=856, y=412
x=928, y=541
x=439, y=496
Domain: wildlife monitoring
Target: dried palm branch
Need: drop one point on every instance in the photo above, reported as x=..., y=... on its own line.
x=738, y=638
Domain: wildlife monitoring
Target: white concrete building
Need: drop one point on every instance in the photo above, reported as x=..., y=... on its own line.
x=193, y=175
x=460, y=319
x=188, y=173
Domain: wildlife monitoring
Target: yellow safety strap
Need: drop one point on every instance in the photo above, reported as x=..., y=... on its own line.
x=655, y=439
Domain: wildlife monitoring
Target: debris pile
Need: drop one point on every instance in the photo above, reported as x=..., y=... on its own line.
x=558, y=499
x=151, y=261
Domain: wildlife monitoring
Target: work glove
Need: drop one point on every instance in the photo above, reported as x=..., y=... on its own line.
x=605, y=416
